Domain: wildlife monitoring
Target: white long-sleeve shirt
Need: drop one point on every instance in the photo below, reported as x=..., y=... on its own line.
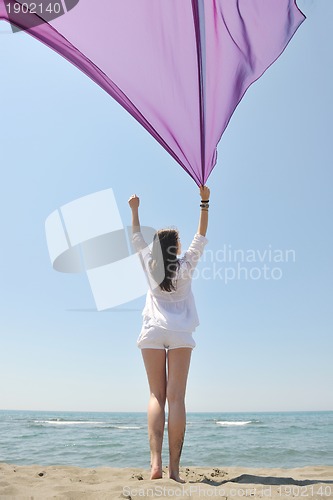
x=173, y=310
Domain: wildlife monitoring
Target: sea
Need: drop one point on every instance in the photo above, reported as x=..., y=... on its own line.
x=279, y=439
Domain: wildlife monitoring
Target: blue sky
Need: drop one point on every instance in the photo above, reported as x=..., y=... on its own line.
x=263, y=344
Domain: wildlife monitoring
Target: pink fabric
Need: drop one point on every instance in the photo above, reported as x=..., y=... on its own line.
x=180, y=67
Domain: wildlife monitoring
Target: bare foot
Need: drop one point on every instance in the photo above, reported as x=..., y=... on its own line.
x=156, y=472
x=177, y=478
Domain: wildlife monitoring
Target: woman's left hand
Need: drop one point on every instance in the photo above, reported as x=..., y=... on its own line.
x=134, y=201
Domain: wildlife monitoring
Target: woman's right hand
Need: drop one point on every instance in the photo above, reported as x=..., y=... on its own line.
x=134, y=201
x=204, y=193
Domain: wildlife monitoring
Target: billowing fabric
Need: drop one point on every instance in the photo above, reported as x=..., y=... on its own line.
x=180, y=67
x=176, y=310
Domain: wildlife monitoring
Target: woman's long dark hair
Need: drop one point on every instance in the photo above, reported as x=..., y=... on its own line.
x=165, y=262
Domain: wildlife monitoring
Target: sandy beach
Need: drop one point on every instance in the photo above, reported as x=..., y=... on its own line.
x=38, y=482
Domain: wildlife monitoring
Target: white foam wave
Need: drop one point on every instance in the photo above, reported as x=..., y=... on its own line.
x=85, y=422
x=68, y=422
x=228, y=422
x=127, y=427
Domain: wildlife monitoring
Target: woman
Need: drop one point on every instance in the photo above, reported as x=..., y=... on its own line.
x=166, y=341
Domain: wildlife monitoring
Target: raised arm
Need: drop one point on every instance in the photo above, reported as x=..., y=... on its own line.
x=203, y=220
x=134, y=203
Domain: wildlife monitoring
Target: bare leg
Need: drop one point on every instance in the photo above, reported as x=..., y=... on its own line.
x=155, y=364
x=178, y=366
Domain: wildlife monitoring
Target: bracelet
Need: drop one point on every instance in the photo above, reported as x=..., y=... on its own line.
x=204, y=201
x=204, y=209
x=204, y=205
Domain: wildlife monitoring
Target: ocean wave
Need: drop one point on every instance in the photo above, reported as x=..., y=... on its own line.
x=232, y=422
x=126, y=427
x=68, y=422
x=105, y=425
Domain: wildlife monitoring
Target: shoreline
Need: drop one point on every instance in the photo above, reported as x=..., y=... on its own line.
x=69, y=482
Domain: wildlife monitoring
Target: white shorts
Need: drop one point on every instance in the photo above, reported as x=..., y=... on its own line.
x=153, y=337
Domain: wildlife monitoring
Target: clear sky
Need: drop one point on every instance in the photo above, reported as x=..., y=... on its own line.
x=264, y=343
